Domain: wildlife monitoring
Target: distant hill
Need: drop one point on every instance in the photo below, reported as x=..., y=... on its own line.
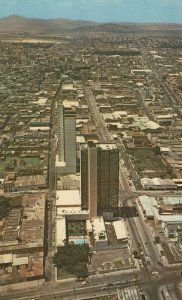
x=132, y=27
x=17, y=23
x=21, y=24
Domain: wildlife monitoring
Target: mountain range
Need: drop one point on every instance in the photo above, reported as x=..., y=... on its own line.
x=21, y=24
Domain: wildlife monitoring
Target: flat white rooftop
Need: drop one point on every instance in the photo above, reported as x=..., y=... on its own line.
x=120, y=113
x=59, y=163
x=120, y=230
x=41, y=101
x=68, y=86
x=80, y=139
x=67, y=103
x=106, y=146
x=41, y=128
x=68, y=198
x=99, y=228
x=63, y=211
x=60, y=231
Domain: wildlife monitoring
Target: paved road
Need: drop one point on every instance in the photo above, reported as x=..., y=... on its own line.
x=95, y=283
x=150, y=285
x=50, y=199
x=102, y=131
x=139, y=232
x=172, y=98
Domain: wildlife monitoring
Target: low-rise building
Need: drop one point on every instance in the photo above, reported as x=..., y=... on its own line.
x=121, y=231
x=158, y=184
x=99, y=232
x=22, y=238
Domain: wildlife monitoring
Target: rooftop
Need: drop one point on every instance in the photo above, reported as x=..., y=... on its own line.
x=68, y=198
x=99, y=229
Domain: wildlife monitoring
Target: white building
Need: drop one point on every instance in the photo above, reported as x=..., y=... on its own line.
x=66, y=133
x=60, y=231
x=158, y=184
x=99, y=232
x=121, y=231
x=141, y=71
x=68, y=207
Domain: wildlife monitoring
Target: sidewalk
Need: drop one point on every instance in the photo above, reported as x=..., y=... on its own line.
x=120, y=272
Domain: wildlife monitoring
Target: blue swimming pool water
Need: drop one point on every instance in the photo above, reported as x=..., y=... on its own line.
x=78, y=241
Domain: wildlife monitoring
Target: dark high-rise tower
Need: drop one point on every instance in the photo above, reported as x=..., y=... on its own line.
x=99, y=177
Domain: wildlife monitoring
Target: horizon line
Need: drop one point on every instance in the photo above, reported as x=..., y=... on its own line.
x=91, y=21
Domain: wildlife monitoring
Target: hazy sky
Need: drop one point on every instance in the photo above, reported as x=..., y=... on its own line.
x=97, y=10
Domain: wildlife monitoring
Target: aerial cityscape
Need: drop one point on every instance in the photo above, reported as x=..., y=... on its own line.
x=90, y=157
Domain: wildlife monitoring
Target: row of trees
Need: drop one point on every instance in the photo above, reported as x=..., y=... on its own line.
x=73, y=258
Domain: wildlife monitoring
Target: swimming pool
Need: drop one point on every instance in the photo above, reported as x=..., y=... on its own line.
x=78, y=241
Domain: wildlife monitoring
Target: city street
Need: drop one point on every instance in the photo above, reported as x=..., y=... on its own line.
x=147, y=283
x=51, y=198
x=140, y=234
x=91, y=150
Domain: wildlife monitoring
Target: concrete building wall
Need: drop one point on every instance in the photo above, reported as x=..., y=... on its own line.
x=66, y=131
x=60, y=123
x=84, y=178
x=114, y=177
x=92, y=181
x=99, y=176
x=103, y=178
x=108, y=179
x=70, y=141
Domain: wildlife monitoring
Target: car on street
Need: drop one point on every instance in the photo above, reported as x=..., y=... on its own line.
x=155, y=273
x=117, y=282
x=109, y=284
x=123, y=281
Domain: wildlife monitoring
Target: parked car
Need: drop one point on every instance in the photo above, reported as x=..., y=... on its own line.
x=109, y=284
x=117, y=282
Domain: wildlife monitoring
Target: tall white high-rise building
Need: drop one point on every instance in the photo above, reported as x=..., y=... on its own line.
x=66, y=133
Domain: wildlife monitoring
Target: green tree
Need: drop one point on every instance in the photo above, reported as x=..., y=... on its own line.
x=157, y=150
x=81, y=270
x=169, y=169
x=135, y=254
x=73, y=258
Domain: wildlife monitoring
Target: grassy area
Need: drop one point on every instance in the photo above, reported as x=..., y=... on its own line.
x=63, y=274
x=118, y=264
x=76, y=228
